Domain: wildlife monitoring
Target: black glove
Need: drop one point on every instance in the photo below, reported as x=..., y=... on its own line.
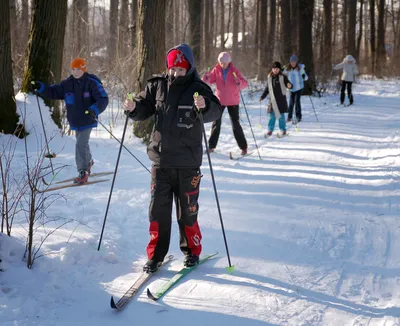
x=35, y=86
x=304, y=76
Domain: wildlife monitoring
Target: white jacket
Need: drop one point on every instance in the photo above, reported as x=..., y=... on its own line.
x=350, y=69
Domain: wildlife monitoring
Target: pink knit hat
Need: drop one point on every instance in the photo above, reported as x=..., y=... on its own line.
x=224, y=57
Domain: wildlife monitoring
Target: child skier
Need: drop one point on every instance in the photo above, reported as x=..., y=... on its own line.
x=296, y=75
x=276, y=87
x=350, y=70
x=229, y=82
x=176, y=151
x=81, y=92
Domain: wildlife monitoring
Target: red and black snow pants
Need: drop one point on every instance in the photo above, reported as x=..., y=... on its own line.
x=181, y=185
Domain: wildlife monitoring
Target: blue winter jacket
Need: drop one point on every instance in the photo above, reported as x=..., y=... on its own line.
x=85, y=93
x=296, y=77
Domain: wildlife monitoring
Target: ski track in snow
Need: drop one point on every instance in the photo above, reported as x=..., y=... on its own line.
x=312, y=228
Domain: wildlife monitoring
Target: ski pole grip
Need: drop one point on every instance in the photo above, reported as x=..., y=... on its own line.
x=130, y=96
x=234, y=74
x=196, y=95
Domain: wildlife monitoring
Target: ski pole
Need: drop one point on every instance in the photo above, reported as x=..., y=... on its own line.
x=113, y=181
x=315, y=112
x=48, y=155
x=140, y=162
x=231, y=267
x=248, y=118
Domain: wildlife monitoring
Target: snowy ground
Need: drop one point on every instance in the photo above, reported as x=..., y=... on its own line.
x=313, y=228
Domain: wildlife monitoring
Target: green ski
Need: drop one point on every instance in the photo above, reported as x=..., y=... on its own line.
x=176, y=278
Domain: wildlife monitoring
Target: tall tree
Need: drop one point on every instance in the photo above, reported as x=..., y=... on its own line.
x=134, y=6
x=286, y=30
x=360, y=33
x=345, y=24
x=327, y=37
x=8, y=113
x=235, y=27
x=222, y=23
x=80, y=28
x=14, y=26
x=244, y=36
x=45, y=46
x=151, y=51
x=263, y=43
x=351, y=29
x=381, y=51
x=271, y=31
x=195, y=10
x=306, y=12
x=113, y=32
x=372, y=34
x=295, y=26
x=123, y=32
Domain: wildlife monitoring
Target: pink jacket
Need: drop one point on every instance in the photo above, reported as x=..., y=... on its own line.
x=227, y=92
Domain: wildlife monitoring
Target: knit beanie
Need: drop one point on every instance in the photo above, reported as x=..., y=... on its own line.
x=79, y=63
x=224, y=57
x=277, y=64
x=175, y=58
x=294, y=58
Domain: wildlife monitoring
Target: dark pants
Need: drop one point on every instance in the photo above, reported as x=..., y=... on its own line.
x=183, y=186
x=295, y=102
x=236, y=127
x=349, y=94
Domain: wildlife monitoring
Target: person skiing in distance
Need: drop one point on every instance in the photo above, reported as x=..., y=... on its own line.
x=81, y=92
x=176, y=152
x=350, y=70
x=276, y=88
x=229, y=81
x=296, y=75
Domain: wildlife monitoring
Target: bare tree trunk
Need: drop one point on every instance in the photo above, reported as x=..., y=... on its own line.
x=244, y=37
x=360, y=33
x=344, y=19
x=222, y=24
x=235, y=28
x=335, y=25
x=372, y=34
x=8, y=110
x=133, y=30
x=263, y=42
x=286, y=30
x=271, y=30
x=206, y=42
x=14, y=27
x=45, y=47
x=327, y=37
x=381, y=51
x=113, y=36
x=80, y=28
x=195, y=28
x=351, y=30
x=123, y=31
x=151, y=52
x=295, y=24
x=306, y=11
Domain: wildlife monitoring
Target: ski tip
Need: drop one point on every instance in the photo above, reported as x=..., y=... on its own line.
x=113, y=304
x=230, y=269
x=150, y=295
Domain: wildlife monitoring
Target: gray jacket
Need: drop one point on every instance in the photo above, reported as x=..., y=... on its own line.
x=350, y=69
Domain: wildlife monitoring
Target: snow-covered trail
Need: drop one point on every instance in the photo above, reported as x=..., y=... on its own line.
x=312, y=230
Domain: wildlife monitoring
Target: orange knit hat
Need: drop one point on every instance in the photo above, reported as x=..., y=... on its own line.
x=79, y=63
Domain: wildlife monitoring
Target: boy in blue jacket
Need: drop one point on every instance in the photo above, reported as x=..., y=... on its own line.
x=81, y=92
